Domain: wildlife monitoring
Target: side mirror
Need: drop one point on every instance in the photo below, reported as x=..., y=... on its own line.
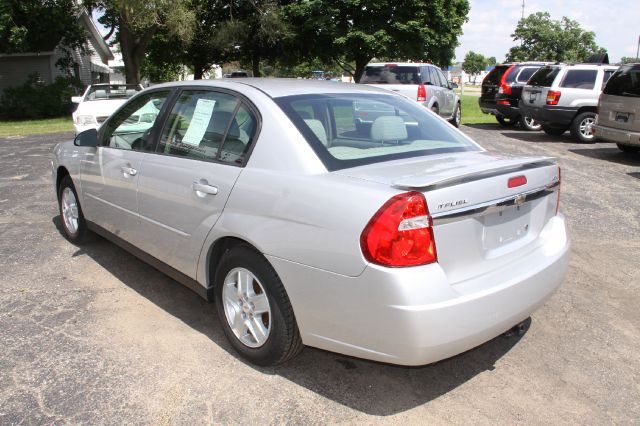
x=76, y=99
x=87, y=138
x=453, y=85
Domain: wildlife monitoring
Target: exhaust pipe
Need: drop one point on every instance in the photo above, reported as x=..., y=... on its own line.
x=518, y=329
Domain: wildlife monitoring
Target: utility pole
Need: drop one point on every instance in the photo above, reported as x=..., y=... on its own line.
x=522, y=9
x=638, y=49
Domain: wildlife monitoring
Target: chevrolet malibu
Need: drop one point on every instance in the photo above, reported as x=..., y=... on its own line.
x=399, y=241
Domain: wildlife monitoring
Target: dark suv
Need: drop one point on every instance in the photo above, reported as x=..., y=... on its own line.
x=501, y=90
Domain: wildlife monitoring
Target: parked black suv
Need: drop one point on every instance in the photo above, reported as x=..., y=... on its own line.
x=501, y=90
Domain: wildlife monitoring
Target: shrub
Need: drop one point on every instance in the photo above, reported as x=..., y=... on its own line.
x=35, y=99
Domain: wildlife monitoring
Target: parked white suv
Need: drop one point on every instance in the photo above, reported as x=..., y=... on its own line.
x=423, y=83
x=565, y=97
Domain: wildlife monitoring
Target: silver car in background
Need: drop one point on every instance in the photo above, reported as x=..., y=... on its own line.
x=619, y=109
x=420, y=82
x=403, y=241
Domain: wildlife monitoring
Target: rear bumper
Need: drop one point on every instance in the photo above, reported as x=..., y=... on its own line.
x=624, y=137
x=510, y=110
x=549, y=114
x=413, y=316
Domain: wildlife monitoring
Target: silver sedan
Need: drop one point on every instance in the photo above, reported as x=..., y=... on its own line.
x=399, y=240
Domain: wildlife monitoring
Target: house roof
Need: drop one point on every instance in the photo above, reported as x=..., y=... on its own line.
x=101, y=46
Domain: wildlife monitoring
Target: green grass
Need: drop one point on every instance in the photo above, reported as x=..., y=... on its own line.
x=35, y=127
x=471, y=113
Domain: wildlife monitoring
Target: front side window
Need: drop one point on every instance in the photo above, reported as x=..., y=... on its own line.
x=347, y=130
x=130, y=127
x=209, y=126
x=580, y=79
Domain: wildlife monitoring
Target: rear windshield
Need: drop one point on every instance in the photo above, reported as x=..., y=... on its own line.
x=391, y=74
x=348, y=130
x=112, y=91
x=495, y=75
x=526, y=74
x=624, y=82
x=544, y=76
x=580, y=79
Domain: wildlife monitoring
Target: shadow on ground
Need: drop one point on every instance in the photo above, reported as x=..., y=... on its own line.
x=370, y=387
x=610, y=153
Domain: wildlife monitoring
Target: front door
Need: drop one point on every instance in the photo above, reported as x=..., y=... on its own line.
x=184, y=187
x=110, y=173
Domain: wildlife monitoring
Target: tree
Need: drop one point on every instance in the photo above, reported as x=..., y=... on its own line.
x=491, y=61
x=628, y=60
x=136, y=21
x=544, y=39
x=473, y=64
x=356, y=31
x=22, y=23
x=255, y=30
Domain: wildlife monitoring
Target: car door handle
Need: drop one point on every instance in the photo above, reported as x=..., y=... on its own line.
x=129, y=171
x=204, y=188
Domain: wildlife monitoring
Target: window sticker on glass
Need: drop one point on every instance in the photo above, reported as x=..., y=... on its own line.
x=199, y=122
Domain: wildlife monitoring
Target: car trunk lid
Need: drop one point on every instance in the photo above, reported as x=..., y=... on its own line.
x=480, y=221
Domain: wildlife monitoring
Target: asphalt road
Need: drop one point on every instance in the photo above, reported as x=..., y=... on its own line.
x=92, y=335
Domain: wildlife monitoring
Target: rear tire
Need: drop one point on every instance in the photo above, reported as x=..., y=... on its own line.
x=73, y=223
x=436, y=109
x=552, y=130
x=582, y=127
x=457, y=116
x=254, y=309
x=506, y=121
x=529, y=124
x=629, y=148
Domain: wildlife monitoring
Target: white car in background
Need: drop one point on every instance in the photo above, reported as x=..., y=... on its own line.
x=98, y=102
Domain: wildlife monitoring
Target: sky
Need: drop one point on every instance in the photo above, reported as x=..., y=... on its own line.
x=616, y=24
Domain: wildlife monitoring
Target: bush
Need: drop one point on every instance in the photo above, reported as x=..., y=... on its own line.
x=35, y=99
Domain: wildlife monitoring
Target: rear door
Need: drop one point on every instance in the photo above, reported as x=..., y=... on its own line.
x=620, y=102
x=448, y=96
x=403, y=79
x=184, y=187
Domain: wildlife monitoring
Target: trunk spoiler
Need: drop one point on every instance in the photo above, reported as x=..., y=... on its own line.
x=453, y=176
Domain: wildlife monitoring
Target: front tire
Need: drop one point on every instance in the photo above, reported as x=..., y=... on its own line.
x=73, y=222
x=457, y=116
x=529, y=124
x=582, y=127
x=254, y=309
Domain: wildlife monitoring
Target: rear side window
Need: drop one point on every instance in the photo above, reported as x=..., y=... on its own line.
x=544, y=77
x=525, y=74
x=348, y=130
x=391, y=74
x=624, y=82
x=494, y=75
x=433, y=77
x=580, y=79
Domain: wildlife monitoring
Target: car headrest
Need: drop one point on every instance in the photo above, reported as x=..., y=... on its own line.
x=388, y=128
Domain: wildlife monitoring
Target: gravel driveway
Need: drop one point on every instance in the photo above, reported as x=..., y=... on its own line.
x=92, y=335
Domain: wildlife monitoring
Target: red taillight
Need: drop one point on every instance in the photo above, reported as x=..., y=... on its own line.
x=400, y=233
x=504, y=87
x=517, y=181
x=558, y=196
x=422, y=93
x=503, y=102
x=553, y=97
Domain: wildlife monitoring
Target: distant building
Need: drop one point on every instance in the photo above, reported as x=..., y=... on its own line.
x=89, y=67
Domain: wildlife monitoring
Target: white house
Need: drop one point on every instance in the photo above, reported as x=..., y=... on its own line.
x=90, y=67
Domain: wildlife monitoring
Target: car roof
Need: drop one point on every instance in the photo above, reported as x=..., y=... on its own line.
x=593, y=66
x=278, y=87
